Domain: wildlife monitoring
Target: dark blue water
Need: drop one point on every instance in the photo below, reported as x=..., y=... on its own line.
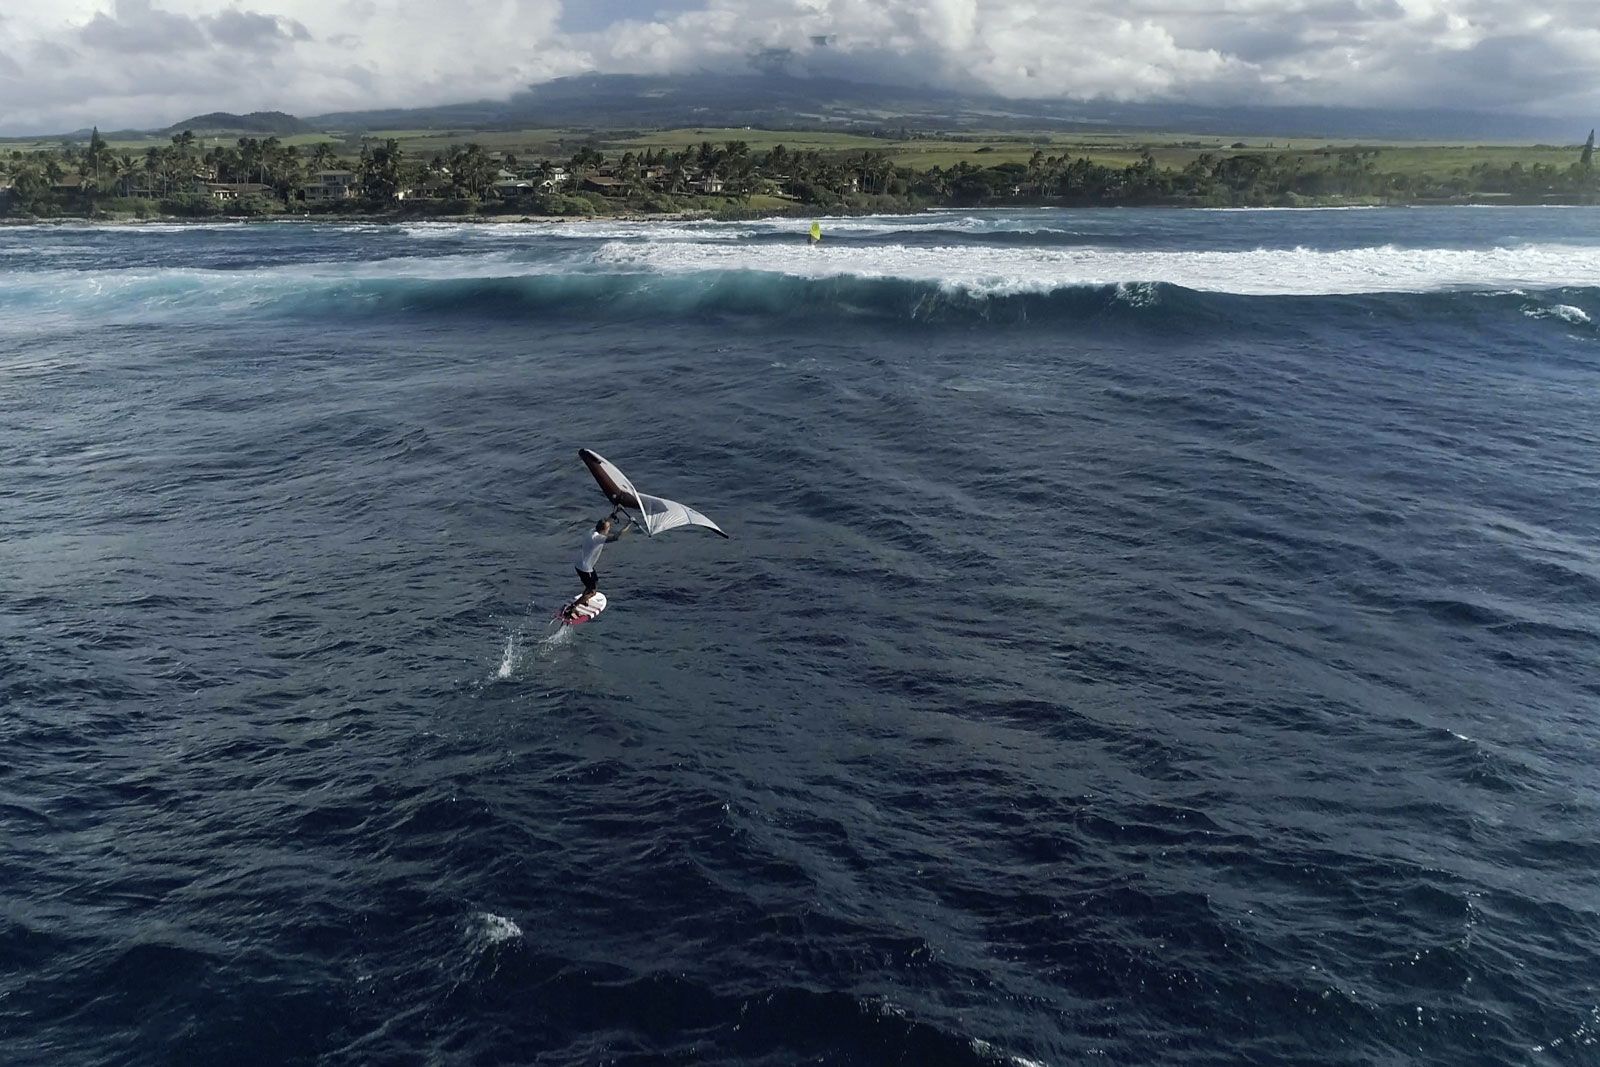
x=1145, y=638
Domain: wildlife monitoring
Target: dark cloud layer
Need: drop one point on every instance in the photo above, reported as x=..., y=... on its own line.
x=134, y=62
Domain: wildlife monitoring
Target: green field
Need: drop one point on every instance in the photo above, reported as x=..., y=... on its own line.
x=1108, y=147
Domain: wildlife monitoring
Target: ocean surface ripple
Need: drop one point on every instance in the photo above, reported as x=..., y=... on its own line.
x=1158, y=637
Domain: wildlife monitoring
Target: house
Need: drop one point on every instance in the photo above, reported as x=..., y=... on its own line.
x=707, y=185
x=605, y=185
x=227, y=192
x=555, y=179
x=331, y=185
x=432, y=187
x=508, y=188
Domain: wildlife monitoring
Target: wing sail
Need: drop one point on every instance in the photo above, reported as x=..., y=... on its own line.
x=661, y=514
x=656, y=514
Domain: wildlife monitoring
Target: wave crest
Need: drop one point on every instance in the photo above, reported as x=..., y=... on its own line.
x=665, y=280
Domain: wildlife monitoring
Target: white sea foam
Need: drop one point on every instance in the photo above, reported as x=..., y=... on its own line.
x=1565, y=312
x=508, y=662
x=991, y=1052
x=596, y=230
x=497, y=929
x=722, y=231
x=1263, y=272
x=558, y=637
x=978, y=270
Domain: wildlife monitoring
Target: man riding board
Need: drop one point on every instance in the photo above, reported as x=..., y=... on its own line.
x=596, y=542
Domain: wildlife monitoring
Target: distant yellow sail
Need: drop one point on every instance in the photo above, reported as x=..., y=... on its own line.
x=816, y=231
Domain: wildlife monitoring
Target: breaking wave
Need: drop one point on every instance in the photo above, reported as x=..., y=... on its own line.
x=1254, y=272
x=639, y=294
x=668, y=271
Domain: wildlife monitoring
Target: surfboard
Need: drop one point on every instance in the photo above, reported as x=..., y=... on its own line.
x=585, y=613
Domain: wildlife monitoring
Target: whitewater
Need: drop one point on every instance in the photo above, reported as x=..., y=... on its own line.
x=1146, y=637
x=594, y=260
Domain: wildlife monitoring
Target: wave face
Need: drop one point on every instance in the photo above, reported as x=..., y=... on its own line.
x=1145, y=636
x=938, y=266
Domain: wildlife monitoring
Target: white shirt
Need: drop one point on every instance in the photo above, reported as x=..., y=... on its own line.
x=591, y=551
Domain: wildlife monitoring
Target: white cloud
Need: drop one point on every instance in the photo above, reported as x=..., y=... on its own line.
x=147, y=62
x=151, y=62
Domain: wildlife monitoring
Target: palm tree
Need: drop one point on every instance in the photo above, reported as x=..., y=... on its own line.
x=271, y=149
x=284, y=173
x=95, y=157
x=583, y=160
x=153, y=167
x=471, y=172
x=123, y=168
x=1036, y=172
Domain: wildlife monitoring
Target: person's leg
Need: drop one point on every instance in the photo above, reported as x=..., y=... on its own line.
x=583, y=597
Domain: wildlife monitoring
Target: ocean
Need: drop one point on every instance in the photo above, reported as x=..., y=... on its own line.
x=1146, y=637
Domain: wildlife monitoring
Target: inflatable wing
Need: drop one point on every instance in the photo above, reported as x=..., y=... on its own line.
x=655, y=514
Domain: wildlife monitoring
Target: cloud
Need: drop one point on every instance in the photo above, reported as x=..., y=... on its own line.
x=1487, y=54
x=148, y=62
x=140, y=26
x=252, y=31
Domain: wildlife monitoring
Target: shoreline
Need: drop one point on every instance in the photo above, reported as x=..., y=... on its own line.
x=343, y=220
x=707, y=215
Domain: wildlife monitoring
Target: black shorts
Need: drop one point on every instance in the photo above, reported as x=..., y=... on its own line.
x=590, y=580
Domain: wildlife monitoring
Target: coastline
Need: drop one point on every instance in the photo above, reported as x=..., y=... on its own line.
x=708, y=215
x=348, y=219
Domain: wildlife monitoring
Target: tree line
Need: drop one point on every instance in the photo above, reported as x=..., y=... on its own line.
x=181, y=178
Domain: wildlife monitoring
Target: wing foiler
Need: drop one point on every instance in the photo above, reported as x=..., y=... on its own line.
x=654, y=514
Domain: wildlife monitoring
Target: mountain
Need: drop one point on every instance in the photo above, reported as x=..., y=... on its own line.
x=263, y=122
x=780, y=101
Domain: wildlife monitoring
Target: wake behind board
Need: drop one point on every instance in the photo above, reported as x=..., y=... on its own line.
x=582, y=613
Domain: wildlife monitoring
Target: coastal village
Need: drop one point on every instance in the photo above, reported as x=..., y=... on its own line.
x=248, y=176
x=264, y=176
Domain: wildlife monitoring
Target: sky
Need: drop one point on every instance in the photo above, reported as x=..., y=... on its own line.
x=66, y=64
